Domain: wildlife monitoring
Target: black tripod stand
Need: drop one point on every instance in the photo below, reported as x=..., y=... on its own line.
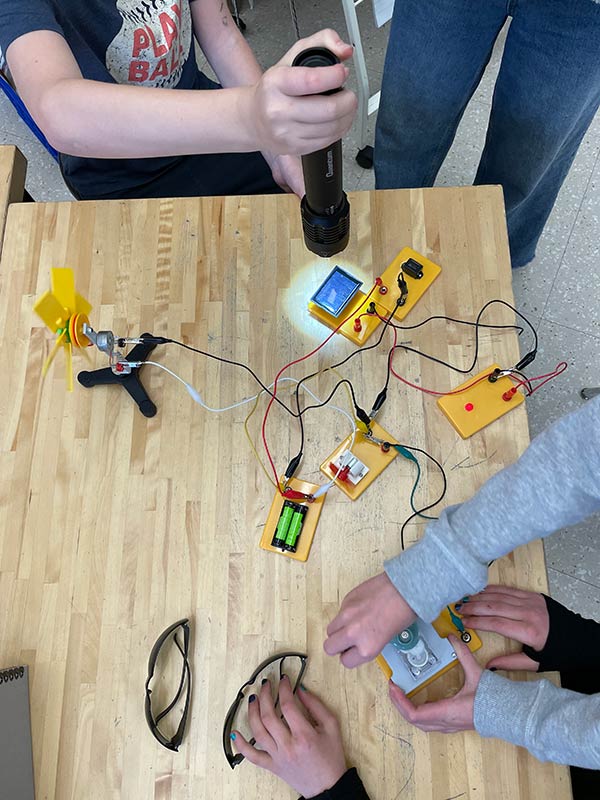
x=131, y=382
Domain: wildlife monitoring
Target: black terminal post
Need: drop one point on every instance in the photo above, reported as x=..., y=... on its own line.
x=325, y=209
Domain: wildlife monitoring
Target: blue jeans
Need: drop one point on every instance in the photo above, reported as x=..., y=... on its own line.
x=546, y=95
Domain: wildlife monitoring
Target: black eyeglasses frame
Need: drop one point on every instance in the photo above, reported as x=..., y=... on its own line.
x=175, y=741
x=236, y=758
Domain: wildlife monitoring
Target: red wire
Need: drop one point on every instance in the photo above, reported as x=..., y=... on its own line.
x=291, y=364
x=560, y=367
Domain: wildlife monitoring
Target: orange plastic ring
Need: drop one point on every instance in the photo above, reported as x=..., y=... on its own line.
x=71, y=330
x=81, y=339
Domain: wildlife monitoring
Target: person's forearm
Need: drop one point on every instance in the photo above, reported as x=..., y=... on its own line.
x=552, y=723
x=101, y=120
x=555, y=483
x=228, y=53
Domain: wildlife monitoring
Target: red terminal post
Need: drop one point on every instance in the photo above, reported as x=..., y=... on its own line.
x=340, y=474
x=385, y=447
x=343, y=474
x=378, y=282
x=357, y=325
x=383, y=289
x=508, y=395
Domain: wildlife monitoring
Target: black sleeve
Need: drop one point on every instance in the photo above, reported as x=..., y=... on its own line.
x=573, y=642
x=349, y=787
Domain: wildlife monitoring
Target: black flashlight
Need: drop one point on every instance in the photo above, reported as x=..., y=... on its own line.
x=325, y=209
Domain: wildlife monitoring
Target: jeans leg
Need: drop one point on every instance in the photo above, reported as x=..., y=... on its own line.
x=437, y=52
x=546, y=95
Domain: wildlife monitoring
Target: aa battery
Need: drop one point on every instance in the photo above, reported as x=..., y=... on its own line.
x=283, y=525
x=289, y=526
x=295, y=527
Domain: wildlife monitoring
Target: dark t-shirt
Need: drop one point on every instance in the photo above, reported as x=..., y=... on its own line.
x=138, y=42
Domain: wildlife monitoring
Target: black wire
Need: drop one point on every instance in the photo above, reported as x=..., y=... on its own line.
x=234, y=364
x=331, y=394
x=477, y=325
x=335, y=366
x=387, y=323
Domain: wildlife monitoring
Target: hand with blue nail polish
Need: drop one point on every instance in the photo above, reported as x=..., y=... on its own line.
x=300, y=741
x=514, y=613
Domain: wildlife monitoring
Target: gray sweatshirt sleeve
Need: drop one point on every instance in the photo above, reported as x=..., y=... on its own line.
x=555, y=483
x=554, y=724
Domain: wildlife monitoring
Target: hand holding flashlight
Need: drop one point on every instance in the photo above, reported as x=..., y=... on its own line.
x=291, y=110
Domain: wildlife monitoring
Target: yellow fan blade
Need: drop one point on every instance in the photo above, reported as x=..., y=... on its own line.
x=69, y=366
x=62, y=282
x=53, y=353
x=82, y=306
x=51, y=312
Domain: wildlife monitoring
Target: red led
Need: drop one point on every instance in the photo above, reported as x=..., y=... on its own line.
x=469, y=406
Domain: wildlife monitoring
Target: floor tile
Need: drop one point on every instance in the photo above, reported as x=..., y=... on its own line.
x=575, y=552
x=575, y=594
x=575, y=299
x=561, y=395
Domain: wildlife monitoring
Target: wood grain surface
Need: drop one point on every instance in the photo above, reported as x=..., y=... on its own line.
x=113, y=526
x=13, y=167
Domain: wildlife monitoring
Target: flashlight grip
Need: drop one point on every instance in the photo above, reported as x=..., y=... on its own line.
x=325, y=210
x=323, y=179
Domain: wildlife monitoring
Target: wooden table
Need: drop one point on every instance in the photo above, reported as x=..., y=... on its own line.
x=113, y=526
x=13, y=167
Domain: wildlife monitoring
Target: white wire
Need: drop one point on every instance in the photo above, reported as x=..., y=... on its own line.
x=195, y=395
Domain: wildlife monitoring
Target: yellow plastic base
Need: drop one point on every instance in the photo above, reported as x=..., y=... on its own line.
x=366, y=451
x=308, y=528
x=443, y=626
x=385, y=302
x=484, y=401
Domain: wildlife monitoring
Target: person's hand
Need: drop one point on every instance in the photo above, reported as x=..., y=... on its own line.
x=450, y=715
x=306, y=753
x=513, y=613
x=287, y=172
x=281, y=115
x=370, y=615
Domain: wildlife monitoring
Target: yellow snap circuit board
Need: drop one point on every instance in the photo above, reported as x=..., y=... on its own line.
x=476, y=407
x=383, y=296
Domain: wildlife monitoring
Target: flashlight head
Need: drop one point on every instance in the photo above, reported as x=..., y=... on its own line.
x=326, y=234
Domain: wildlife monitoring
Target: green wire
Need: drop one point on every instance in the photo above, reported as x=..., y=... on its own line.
x=410, y=457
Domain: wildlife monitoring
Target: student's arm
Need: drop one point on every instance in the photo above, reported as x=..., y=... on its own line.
x=553, y=724
x=555, y=483
x=553, y=637
x=222, y=43
x=235, y=64
x=94, y=119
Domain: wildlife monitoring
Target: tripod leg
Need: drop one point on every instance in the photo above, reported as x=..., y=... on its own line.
x=131, y=382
